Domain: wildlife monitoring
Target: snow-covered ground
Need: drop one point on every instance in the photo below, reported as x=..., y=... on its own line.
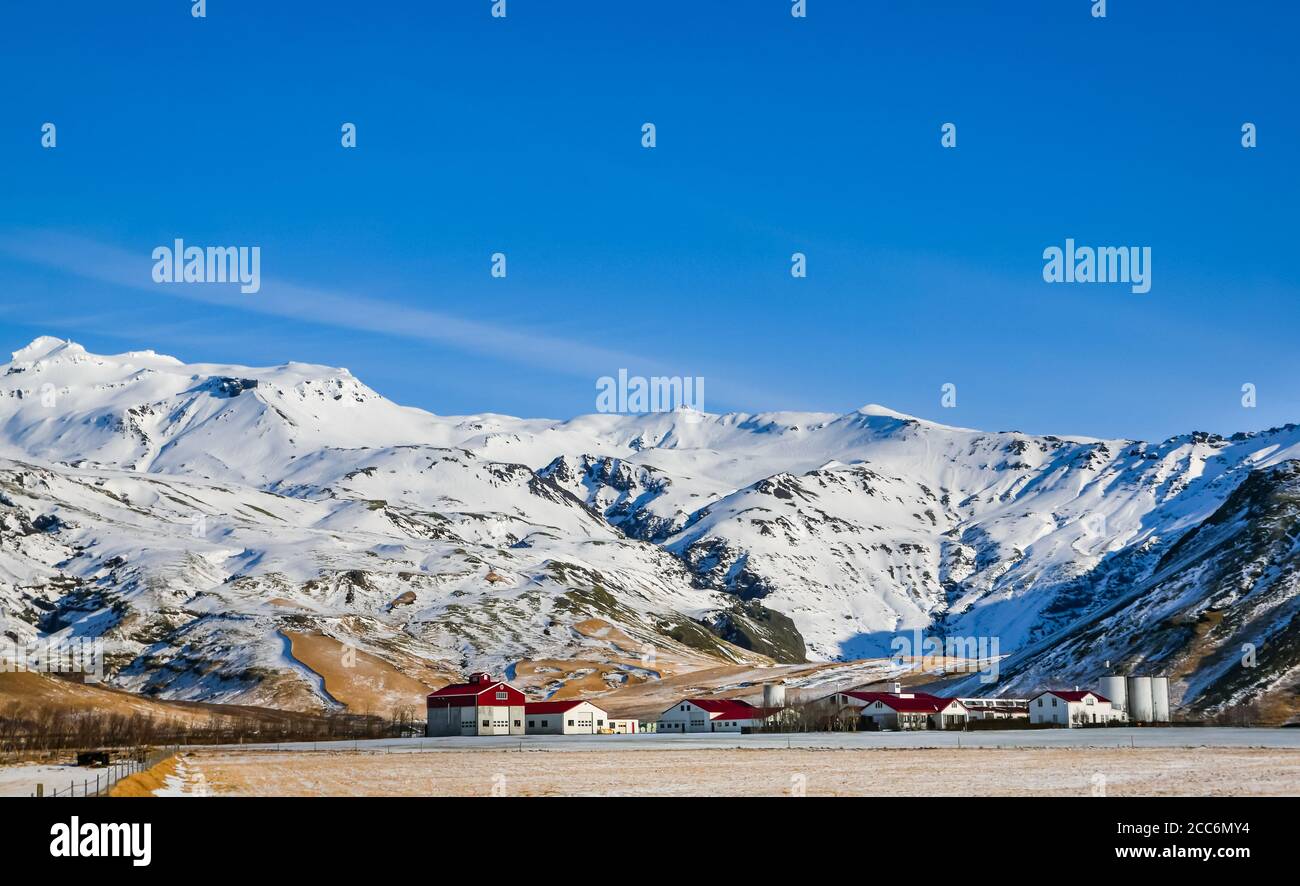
x=691, y=770
x=185, y=780
x=1173, y=737
x=21, y=780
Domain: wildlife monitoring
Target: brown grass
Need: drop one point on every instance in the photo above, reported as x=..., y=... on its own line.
x=143, y=784
x=46, y=692
x=599, y=629
x=370, y=685
x=1200, y=647
x=579, y=678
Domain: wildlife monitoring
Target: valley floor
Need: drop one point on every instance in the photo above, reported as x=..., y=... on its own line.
x=815, y=765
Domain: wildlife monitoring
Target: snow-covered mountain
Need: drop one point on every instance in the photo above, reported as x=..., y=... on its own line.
x=193, y=515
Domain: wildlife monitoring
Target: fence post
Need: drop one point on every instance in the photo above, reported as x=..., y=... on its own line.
x=40, y=789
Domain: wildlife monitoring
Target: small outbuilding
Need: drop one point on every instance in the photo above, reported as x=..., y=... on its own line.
x=572, y=717
x=997, y=708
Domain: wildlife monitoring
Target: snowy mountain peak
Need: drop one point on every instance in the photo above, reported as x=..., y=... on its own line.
x=875, y=409
x=43, y=347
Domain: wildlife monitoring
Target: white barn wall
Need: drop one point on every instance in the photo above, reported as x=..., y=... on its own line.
x=587, y=719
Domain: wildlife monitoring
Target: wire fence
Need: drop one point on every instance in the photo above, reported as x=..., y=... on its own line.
x=106, y=777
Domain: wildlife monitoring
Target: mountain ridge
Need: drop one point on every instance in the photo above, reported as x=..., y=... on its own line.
x=848, y=530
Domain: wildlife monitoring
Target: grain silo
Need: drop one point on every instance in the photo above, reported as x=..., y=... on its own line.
x=773, y=695
x=1114, y=688
x=1160, y=699
x=1139, y=699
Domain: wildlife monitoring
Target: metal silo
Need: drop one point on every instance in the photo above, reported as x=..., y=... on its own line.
x=1160, y=699
x=1139, y=699
x=1115, y=689
x=773, y=695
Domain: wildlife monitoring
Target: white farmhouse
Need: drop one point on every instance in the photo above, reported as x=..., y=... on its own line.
x=711, y=715
x=1070, y=708
x=914, y=710
x=572, y=717
x=903, y=710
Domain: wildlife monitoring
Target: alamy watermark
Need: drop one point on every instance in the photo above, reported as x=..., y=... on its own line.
x=102, y=839
x=76, y=656
x=974, y=654
x=209, y=264
x=639, y=394
x=1101, y=264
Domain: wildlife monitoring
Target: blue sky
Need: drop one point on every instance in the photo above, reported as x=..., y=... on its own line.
x=775, y=135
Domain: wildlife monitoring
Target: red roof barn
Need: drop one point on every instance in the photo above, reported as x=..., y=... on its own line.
x=712, y=715
x=482, y=706
x=904, y=710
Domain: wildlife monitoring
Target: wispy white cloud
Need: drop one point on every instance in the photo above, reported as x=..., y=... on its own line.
x=118, y=267
x=114, y=266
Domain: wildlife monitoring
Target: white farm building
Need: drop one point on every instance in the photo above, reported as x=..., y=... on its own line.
x=903, y=710
x=996, y=708
x=1070, y=708
x=573, y=717
x=712, y=715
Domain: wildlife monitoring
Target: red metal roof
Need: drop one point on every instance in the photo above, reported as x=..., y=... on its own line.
x=918, y=703
x=467, y=694
x=929, y=705
x=1074, y=694
x=727, y=708
x=463, y=689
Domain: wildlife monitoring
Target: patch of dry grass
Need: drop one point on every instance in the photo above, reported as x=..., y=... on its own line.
x=43, y=692
x=363, y=682
x=143, y=784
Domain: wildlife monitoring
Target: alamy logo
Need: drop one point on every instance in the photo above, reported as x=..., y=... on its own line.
x=79, y=655
x=212, y=264
x=103, y=840
x=637, y=394
x=1102, y=264
x=920, y=652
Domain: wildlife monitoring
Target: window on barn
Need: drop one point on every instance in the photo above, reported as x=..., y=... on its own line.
x=532, y=724
x=487, y=722
x=502, y=696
